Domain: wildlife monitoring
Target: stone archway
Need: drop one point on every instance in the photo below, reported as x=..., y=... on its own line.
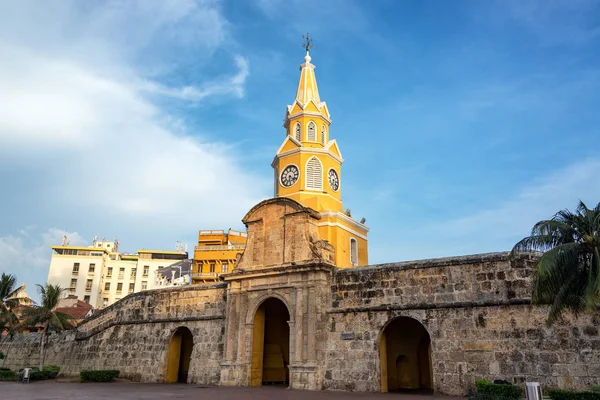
x=405, y=356
x=179, y=356
x=270, y=344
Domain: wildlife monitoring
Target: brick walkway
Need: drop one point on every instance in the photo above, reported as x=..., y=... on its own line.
x=139, y=391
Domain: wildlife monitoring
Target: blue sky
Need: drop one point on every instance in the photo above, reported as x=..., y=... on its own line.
x=461, y=123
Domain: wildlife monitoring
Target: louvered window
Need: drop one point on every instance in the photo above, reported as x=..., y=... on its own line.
x=353, y=252
x=314, y=174
x=311, y=132
x=323, y=134
x=298, y=132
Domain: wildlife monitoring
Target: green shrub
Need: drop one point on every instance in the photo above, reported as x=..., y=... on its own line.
x=105, y=375
x=596, y=388
x=499, y=390
x=559, y=394
x=49, y=372
x=4, y=369
x=7, y=375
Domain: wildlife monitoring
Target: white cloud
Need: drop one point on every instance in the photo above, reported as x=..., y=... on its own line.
x=85, y=144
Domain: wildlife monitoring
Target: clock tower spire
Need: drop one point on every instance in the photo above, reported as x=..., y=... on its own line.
x=307, y=168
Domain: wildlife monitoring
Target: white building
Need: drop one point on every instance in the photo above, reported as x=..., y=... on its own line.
x=100, y=275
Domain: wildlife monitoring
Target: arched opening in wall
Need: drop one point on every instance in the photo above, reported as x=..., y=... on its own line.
x=179, y=356
x=270, y=344
x=405, y=357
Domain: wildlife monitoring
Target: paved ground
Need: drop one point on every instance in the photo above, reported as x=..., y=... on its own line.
x=131, y=391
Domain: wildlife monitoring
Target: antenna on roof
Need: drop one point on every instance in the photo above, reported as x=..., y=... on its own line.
x=65, y=241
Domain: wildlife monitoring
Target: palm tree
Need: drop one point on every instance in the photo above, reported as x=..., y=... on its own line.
x=46, y=315
x=8, y=301
x=568, y=273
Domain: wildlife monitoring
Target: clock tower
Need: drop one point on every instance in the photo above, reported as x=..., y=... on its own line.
x=307, y=169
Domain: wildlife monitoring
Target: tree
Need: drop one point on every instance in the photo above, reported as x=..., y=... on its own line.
x=46, y=315
x=8, y=301
x=568, y=272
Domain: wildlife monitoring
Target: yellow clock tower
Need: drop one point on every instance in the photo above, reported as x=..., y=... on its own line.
x=308, y=169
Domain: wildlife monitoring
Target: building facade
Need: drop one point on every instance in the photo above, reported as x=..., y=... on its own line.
x=100, y=274
x=216, y=253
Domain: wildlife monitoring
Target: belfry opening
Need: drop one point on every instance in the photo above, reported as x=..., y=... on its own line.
x=270, y=344
x=405, y=357
x=179, y=356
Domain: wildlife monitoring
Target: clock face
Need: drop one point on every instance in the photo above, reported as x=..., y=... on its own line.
x=289, y=176
x=334, y=180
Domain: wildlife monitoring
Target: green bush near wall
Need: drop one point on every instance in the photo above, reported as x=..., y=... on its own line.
x=559, y=394
x=49, y=372
x=499, y=390
x=596, y=388
x=7, y=375
x=105, y=375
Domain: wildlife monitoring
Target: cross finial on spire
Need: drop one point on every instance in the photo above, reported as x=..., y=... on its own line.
x=308, y=45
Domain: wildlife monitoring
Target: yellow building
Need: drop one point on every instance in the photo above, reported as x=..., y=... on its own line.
x=216, y=253
x=307, y=169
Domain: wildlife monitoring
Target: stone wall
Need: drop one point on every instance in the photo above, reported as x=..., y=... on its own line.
x=133, y=336
x=478, y=314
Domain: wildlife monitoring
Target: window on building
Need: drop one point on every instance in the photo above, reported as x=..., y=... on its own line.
x=75, y=268
x=86, y=299
x=73, y=283
x=92, y=268
x=144, y=285
x=298, y=131
x=96, y=254
x=133, y=272
x=353, y=252
x=212, y=268
x=88, y=284
x=225, y=268
x=107, y=286
x=69, y=252
x=105, y=301
x=119, y=287
x=311, y=132
x=109, y=272
x=146, y=270
x=314, y=174
x=131, y=287
x=323, y=134
x=121, y=272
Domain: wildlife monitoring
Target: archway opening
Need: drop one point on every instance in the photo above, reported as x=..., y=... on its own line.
x=179, y=356
x=405, y=357
x=270, y=344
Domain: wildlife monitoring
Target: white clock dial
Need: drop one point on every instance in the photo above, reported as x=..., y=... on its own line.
x=334, y=180
x=289, y=176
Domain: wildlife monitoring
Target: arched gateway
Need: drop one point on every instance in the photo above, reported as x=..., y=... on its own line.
x=405, y=356
x=270, y=344
x=179, y=356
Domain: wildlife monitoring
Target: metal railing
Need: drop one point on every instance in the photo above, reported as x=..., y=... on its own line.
x=204, y=275
x=224, y=247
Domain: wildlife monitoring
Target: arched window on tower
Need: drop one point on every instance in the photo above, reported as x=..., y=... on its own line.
x=314, y=174
x=323, y=134
x=311, y=132
x=298, y=131
x=353, y=251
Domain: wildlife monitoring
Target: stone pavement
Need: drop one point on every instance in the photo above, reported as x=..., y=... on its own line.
x=149, y=391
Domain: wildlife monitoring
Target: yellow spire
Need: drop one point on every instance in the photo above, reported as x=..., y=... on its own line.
x=307, y=87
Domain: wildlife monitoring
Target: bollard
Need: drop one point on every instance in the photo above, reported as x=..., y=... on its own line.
x=533, y=391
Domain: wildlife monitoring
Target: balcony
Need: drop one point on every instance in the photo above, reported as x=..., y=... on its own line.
x=220, y=248
x=88, y=289
x=205, y=276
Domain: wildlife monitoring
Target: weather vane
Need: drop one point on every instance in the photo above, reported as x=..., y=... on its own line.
x=308, y=45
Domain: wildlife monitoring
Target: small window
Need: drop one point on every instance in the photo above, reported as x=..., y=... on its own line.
x=144, y=285
x=86, y=299
x=146, y=269
x=314, y=174
x=88, y=284
x=109, y=272
x=92, y=268
x=133, y=272
x=323, y=134
x=353, y=252
x=121, y=272
x=75, y=268
x=131, y=286
x=298, y=131
x=73, y=283
x=225, y=268
x=107, y=286
x=119, y=287
x=212, y=268
x=105, y=301
x=311, y=132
